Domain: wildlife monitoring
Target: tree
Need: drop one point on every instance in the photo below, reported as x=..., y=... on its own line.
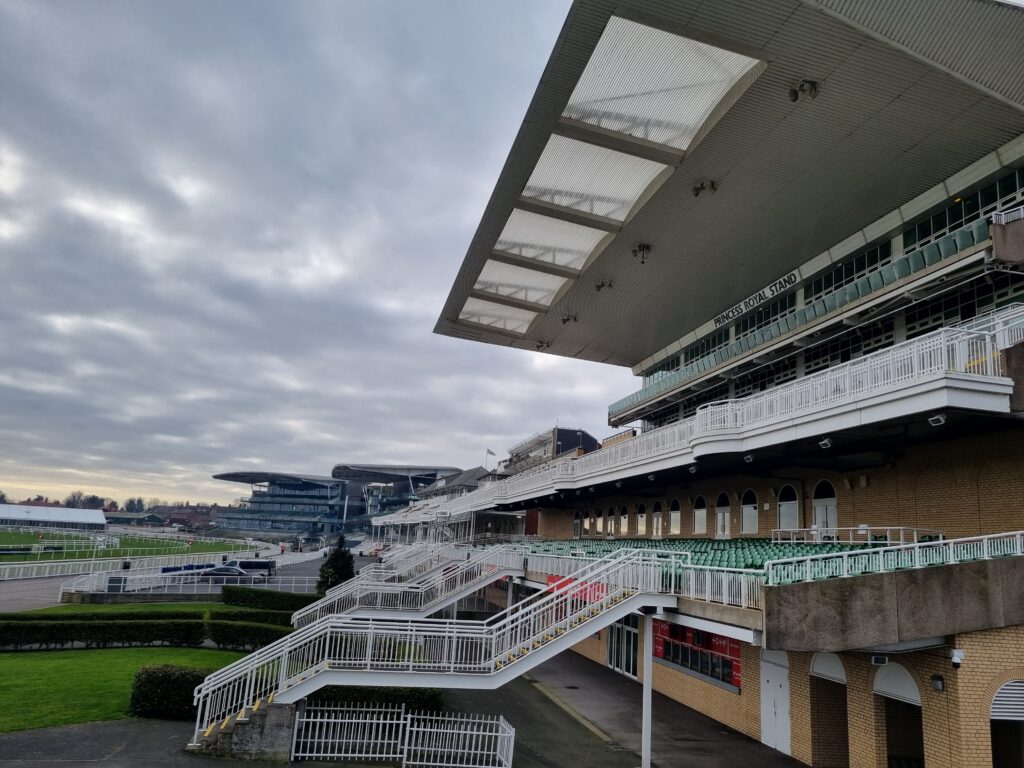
x=92, y=501
x=338, y=568
x=3, y=497
x=74, y=500
x=134, y=504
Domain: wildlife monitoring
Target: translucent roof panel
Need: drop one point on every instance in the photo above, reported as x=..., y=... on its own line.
x=653, y=84
x=589, y=178
x=496, y=315
x=546, y=239
x=519, y=283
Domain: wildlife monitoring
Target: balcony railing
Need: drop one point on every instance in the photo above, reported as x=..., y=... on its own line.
x=862, y=534
x=886, y=275
x=956, y=350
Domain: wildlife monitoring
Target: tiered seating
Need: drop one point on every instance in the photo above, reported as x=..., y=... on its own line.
x=964, y=238
x=719, y=553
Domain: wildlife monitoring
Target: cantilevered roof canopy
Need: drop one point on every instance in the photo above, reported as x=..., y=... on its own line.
x=276, y=477
x=670, y=124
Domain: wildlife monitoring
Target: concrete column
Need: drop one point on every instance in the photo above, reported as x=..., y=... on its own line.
x=648, y=645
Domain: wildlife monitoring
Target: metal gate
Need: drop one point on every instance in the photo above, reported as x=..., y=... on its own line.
x=388, y=733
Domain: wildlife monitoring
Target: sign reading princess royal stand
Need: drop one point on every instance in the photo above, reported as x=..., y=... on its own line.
x=767, y=293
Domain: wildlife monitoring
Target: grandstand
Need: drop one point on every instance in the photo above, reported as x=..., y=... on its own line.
x=801, y=224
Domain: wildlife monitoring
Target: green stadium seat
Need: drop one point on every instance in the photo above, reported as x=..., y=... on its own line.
x=902, y=268
x=948, y=245
x=916, y=261
x=964, y=238
x=931, y=254
x=980, y=230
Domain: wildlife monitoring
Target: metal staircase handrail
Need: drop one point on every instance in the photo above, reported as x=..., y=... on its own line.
x=602, y=584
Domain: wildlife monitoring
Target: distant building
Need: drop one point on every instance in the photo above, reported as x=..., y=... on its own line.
x=381, y=488
x=31, y=515
x=280, y=501
x=190, y=515
x=455, y=485
x=117, y=517
x=545, y=446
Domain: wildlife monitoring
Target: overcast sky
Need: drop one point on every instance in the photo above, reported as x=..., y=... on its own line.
x=227, y=229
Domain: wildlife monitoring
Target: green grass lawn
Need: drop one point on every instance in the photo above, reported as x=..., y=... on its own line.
x=44, y=688
x=115, y=609
x=81, y=548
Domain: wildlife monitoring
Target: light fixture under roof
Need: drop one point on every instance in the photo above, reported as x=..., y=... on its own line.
x=656, y=85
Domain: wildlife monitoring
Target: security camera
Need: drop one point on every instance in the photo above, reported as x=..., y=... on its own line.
x=956, y=657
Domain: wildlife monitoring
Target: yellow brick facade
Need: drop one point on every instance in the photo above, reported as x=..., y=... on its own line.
x=964, y=487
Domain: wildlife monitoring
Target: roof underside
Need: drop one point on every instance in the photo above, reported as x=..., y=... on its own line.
x=642, y=102
x=276, y=477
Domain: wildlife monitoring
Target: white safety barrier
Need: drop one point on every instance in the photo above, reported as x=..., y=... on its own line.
x=75, y=567
x=859, y=562
x=182, y=583
x=862, y=534
x=388, y=733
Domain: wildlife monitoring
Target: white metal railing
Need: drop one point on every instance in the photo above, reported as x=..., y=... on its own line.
x=187, y=583
x=432, y=590
x=426, y=645
x=944, y=351
x=858, y=562
x=75, y=567
x=963, y=350
x=388, y=733
x=1006, y=217
x=862, y=534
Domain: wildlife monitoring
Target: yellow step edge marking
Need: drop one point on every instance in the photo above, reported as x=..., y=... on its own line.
x=271, y=699
x=209, y=731
x=256, y=706
x=225, y=723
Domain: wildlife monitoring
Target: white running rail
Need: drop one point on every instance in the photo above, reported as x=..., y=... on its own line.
x=858, y=562
x=425, y=645
x=431, y=591
x=9, y=571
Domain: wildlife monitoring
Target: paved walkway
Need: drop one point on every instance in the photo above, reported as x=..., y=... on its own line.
x=680, y=735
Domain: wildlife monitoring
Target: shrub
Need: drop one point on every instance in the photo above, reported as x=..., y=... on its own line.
x=100, y=634
x=265, y=599
x=277, y=618
x=243, y=635
x=185, y=614
x=430, y=699
x=165, y=692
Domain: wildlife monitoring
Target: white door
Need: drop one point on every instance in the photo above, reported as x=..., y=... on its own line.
x=789, y=515
x=825, y=514
x=775, y=700
x=722, y=522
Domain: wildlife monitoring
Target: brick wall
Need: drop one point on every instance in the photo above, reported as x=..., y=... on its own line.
x=966, y=486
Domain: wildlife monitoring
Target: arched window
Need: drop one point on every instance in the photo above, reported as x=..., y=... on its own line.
x=675, y=522
x=700, y=515
x=826, y=516
x=624, y=521
x=789, y=508
x=641, y=520
x=749, y=510
x=723, y=511
x=656, y=520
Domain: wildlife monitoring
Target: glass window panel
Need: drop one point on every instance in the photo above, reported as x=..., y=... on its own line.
x=589, y=178
x=546, y=239
x=496, y=315
x=653, y=84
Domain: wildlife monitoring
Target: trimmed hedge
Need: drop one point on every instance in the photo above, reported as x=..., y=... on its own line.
x=185, y=614
x=100, y=634
x=165, y=692
x=277, y=618
x=243, y=635
x=429, y=699
x=265, y=599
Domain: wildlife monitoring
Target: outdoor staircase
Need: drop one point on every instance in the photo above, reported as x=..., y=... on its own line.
x=389, y=593
x=348, y=650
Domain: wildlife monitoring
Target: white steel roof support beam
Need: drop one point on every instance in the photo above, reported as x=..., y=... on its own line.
x=564, y=213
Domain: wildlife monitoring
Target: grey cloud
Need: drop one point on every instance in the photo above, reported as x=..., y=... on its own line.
x=238, y=222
